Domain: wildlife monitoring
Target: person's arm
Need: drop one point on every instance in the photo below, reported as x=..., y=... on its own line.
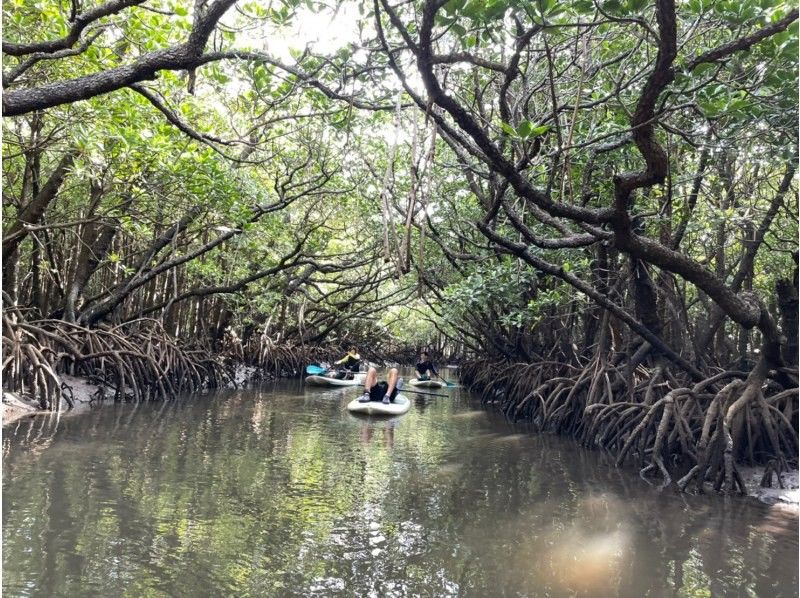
x=342, y=360
x=433, y=369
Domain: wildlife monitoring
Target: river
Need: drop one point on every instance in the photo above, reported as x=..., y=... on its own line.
x=280, y=491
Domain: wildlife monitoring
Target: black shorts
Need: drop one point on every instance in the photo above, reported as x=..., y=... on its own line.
x=377, y=392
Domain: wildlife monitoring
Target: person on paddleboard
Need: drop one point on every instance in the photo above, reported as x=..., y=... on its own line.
x=384, y=391
x=349, y=363
x=424, y=366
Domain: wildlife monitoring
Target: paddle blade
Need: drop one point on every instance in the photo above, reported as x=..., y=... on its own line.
x=447, y=383
x=314, y=370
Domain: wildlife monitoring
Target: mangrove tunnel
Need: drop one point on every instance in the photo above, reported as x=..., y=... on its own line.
x=589, y=207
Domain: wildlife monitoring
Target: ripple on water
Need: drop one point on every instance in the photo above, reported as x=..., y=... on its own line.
x=286, y=493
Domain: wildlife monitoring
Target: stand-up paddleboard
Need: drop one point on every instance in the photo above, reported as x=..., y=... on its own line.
x=356, y=380
x=427, y=383
x=400, y=405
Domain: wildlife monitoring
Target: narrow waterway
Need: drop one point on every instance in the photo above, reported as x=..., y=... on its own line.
x=282, y=492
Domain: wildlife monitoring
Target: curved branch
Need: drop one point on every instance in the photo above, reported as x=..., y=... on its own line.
x=80, y=23
x=183, y=126
x=17, y=71
x=503, y=166
x=182, y=56
x=644, y=134
x=457, y=57
x=725, y=50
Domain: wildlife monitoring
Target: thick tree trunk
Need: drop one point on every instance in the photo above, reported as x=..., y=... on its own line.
x=31, y=214
x=95, y=244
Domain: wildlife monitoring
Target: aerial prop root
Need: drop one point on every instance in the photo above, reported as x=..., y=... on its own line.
x=744, y=427
x=137, y=360
x=665, y=424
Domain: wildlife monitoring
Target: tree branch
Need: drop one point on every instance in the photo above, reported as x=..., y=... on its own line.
x=183, y=56
x=725, y=50
x=80, y=23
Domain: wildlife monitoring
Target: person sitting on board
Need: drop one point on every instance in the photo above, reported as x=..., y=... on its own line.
x=350, y=363
x=424, y=366
x=384, y=391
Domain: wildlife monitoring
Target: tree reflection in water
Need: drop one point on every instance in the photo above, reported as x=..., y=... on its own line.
x=283, y=493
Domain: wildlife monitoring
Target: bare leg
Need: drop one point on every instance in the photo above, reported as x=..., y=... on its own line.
x=392, y=380
x=371, y=379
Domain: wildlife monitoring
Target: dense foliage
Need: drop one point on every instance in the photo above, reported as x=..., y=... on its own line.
x=605, y=188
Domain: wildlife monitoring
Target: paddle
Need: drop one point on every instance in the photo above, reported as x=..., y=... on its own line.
x=404, y=390
x=446, y=383
x=315, y=370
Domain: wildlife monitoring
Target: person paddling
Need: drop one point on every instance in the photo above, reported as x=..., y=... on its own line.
x=350, y=363
x=424, y=366
x=384, y=391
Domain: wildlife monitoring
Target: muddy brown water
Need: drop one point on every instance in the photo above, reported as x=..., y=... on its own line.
x=282, y=492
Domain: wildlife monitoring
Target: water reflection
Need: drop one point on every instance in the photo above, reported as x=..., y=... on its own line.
x=283, y=492
x=387, y=429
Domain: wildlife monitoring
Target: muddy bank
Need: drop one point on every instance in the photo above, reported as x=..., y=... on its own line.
x=789, y=495
x=78, y=393
x=15, y=407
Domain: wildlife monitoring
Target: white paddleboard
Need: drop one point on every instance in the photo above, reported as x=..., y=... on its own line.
x=400, y=405
x=357, y=380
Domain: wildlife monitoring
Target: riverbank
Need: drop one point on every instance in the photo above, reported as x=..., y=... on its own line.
x=15, y=408
x=82, y=392
x=788, y=495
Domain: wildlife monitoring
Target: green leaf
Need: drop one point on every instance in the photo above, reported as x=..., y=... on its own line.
x=636, y=5
x=507, y=128
x=540, y=130
x=473, y=9
x=495, y=10
x=459, y=30
x=700, y=69
x=524, y=129
x=453, y=6
x=698, y=6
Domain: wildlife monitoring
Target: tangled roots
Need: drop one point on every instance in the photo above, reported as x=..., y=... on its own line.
x=698, y=433
x=138, y=360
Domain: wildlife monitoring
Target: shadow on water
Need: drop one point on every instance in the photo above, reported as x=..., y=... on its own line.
x=281, y=491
